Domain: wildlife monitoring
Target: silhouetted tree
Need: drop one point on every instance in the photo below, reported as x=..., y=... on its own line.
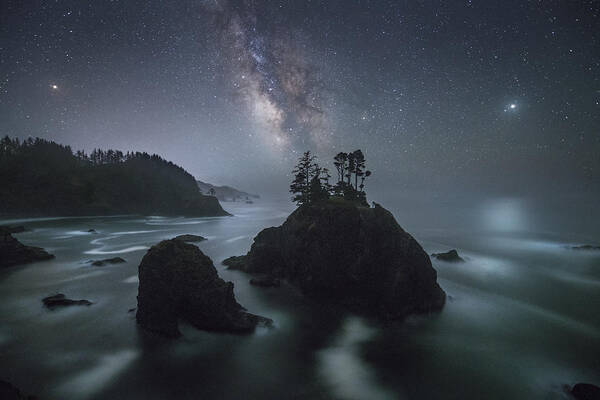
x=304, y=172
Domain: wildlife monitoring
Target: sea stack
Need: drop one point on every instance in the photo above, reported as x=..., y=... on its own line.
x=177, y=281
x=348, y=254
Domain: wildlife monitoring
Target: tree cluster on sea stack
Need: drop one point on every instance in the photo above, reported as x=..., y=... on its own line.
x=311, y=182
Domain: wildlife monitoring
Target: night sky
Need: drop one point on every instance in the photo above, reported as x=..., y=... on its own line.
x=501, y=97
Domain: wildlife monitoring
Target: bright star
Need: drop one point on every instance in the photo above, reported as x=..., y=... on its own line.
x=513, y=106
x=54, y=87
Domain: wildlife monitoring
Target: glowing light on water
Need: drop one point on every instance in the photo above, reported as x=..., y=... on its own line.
x=504, y=215
x=126, y=250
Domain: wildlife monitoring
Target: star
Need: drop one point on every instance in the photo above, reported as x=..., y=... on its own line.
x=54, y=86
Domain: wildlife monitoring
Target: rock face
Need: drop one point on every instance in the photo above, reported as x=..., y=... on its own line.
x=450, y=256
x=586, y=391
x=235, y=262
x=190, y=238
x=177, y=281
x=356, y=256
x=13, y=252
x=60, y=300
x=114, y=260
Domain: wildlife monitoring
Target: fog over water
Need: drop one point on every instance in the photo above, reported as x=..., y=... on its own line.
x=520, y=320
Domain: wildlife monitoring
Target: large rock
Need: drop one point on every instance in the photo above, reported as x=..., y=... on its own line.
x=190, y=238
x=356, y=256
x=177, y=281
x=586, y=391
x=13, y=252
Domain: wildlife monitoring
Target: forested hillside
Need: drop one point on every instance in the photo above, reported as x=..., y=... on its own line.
x=39, y=177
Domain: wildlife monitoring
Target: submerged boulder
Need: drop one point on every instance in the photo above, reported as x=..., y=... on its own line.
x=585, y=391
x=101, y=263
x=585, y=247
x=450, y=256
x=13, y=252
x=60, y=300
x=190, y=238
x=177, y=281
x=351, y=255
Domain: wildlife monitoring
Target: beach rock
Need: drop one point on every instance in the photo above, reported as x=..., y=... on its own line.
x=101, y=263
x=235, y=262
x=12, y=229
x=9, y=392
x=586, y=391
x=60, y=300
x=177, y=281
x=92, y=231
x=13, y=252
x=265, y=281
x=585, y=247
x=190, y=238
x=449, y=256
x=351, y=255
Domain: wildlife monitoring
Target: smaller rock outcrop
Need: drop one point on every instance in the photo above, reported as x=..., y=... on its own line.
x=13, y=252
x=585, y=391
x=235, y=263
x=92, y=231
x=190, y=238
x=265, y=281
x=586, y=247
x=449, y=256
x=177, y=281
x=101, y=263
x=60, y=300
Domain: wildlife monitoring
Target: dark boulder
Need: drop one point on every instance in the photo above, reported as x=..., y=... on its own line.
x=13, y=252
x=265, y=281
x=12, y=229
x=351, y=255
x=190, y=238
x=177, y=281
x=585, y=247
x=235, y=262
x=101, y=263
x=60, y=300
x=586, y=391
x=9, y=392
x=449, y=256
x=92, y=231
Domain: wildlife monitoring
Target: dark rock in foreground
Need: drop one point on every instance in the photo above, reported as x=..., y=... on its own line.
x=9, y=392
x=450, y=256
x=190, y=238
x=13, y=252
x=92, y=231
x=101, y=263
x=586, y=391
x=346, y=254
x=12, y=229
x=60, y=300
x=177, y=281
x=265, y=281
x=585, y=247
x=235, y=262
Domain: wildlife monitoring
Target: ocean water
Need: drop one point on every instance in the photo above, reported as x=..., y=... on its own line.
x=521, y=320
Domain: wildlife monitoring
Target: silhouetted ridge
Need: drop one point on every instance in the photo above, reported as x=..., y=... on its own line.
x=42, y=177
